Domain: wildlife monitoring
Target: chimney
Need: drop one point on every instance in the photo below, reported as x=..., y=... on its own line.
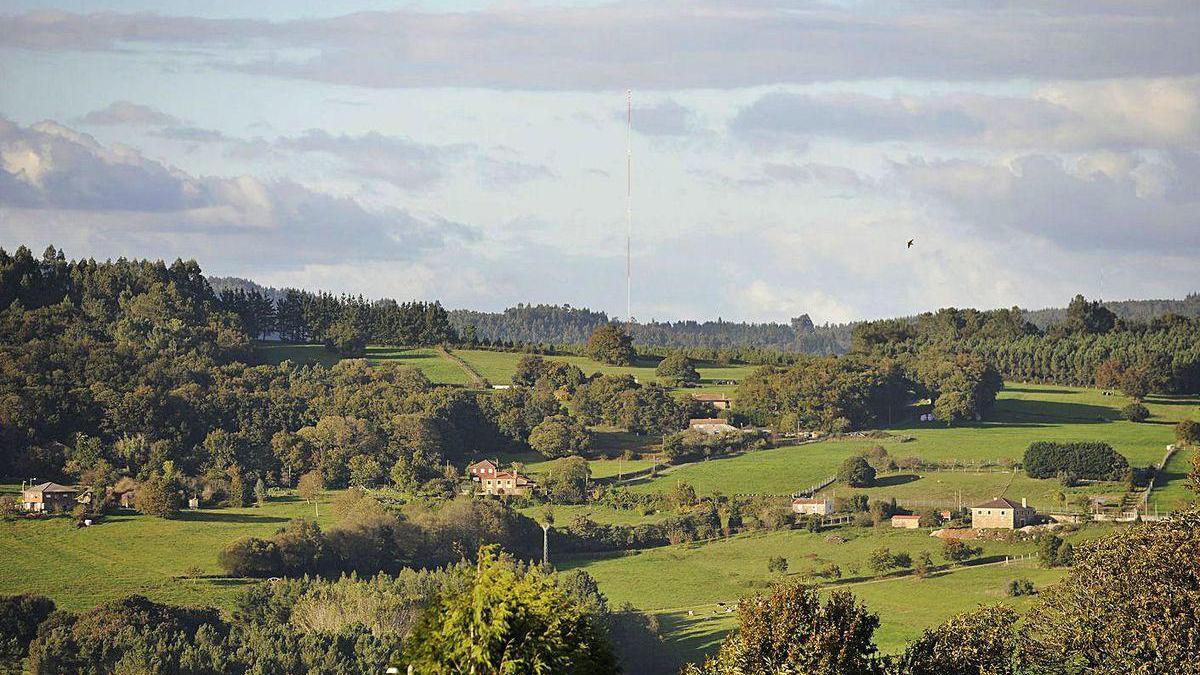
x=1024, y=504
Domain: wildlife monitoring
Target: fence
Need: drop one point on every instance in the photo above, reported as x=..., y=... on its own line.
x=1171, y=450
x=814, y=489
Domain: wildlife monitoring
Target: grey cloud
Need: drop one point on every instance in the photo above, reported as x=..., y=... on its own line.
x=127, y=113
x=671, y=44
x=865, y=118
x=58, y=182
x=665, y=118
x=1105, y=202
x=1160, y=113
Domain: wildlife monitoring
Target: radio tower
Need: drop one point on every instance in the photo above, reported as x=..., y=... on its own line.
x=628, y=208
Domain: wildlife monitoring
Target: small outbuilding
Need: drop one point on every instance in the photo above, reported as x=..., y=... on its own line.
x=906, y=522
x=711, y=425
x=719, y=401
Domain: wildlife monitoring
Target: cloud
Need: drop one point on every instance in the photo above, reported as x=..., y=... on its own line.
x=1158, y=113
x=130, y=114
x=59, y=183
x=665, y=118
x=1110, y=201
x=666, y=45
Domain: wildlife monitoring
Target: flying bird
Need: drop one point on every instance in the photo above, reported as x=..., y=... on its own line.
x=910, y=241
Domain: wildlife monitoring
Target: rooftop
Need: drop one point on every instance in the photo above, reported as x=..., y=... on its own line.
x=50, y=487
x=999, y=503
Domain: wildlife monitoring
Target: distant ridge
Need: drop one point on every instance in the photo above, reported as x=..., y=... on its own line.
x=564, y=324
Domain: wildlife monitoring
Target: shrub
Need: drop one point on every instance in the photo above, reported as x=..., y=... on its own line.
x=1135, y=412
x=777, y=564
x=1090, y=460
x=1188, y=432
x=250, y=557
x=1019, y=587
x=1054, y=552
x=20, y=616
x=856, y=472
x=957, y=550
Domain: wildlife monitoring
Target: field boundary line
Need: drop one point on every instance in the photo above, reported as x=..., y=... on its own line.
x=474, y=377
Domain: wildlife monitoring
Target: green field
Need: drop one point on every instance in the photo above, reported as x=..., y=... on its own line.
x=1023, y=414
x=672, y=580
x=130, y=553
x=436, y=367
x=499, y=367
x=1171, y=491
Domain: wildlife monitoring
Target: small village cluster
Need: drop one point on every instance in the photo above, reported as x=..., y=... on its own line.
x=998, y=514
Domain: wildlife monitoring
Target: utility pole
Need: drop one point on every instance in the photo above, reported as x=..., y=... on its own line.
x=628, y=209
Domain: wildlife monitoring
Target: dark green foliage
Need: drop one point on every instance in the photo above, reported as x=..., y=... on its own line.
x=677, y=370
x=1019, y=587
x=508, y=620
x=1188, y=432
x=131, y=635
x=689, y=445
x=345, y=339
x=1086, y=460
x=792, y=631
x=566, y=482
x=856, y=472
x=620, y=401
x=981, y=642
x=834, y=394
x=1135, y=412
x=1127, y=605
x=1054, y=552
x=250, y=557
x=559, y=436
x=612, y=345
x=20, y=615
x=1146, y=353
x=958, y=550
x=777, y=564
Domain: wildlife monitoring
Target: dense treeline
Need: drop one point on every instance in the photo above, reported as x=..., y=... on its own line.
x=858, y=391
x=567, y=325
x=136, y=369
x=1129, y=310
x=1081, y=460
x=1163, y=352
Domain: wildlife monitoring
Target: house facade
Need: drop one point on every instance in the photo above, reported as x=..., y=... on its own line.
x=906, y=522
x=805, y=506
x=1002, y=513
x=481, y=470
x=48, y=498
x=504, y=483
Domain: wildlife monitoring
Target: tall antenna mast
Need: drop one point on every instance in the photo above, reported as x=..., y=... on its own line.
x=628, y=207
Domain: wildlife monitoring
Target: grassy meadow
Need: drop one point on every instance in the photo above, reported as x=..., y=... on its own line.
x=436, y=367
x=673, y=580
x=132, y=553
x=1023, y=414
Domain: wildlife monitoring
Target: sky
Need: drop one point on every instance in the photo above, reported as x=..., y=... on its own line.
x=474, y=152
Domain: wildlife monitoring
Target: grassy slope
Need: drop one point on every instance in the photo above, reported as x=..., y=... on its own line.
x=1171, y=491
x=672, y=580
x=126, y=554
x=1023, y=414
x=436, y=367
